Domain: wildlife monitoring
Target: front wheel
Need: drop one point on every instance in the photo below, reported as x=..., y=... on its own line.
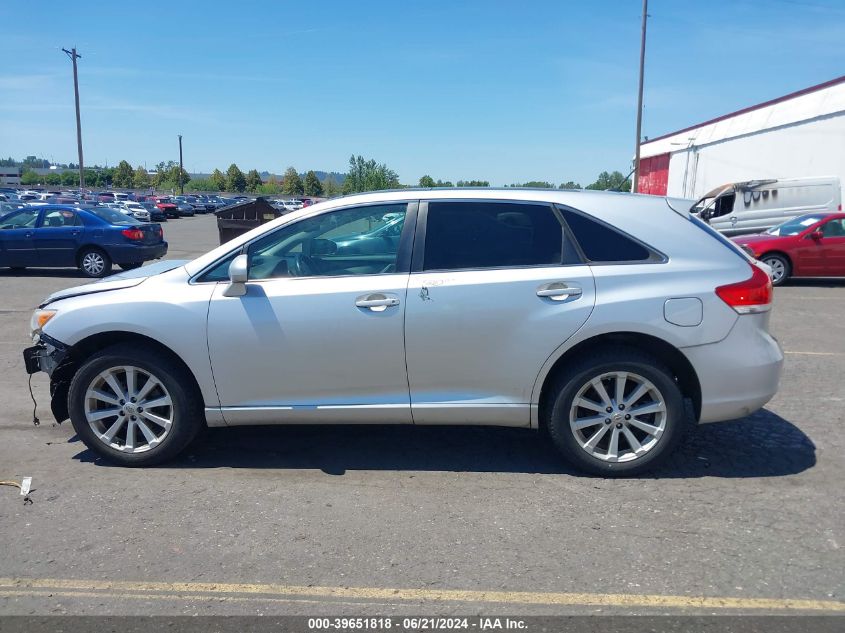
x=781, y=269
x=133, y=406
x=94, y=263
x=618, y=413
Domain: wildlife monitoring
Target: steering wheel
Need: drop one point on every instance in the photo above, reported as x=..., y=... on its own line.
x=301, y=265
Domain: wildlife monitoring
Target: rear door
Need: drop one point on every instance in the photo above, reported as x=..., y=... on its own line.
x=496, y=287
x=57, y=237
x=17, y=238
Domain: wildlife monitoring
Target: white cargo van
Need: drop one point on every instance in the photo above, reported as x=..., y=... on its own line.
x=756, y=205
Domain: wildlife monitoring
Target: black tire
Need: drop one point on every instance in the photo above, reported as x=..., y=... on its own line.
x=187, y=410
x=778, y=263
x=131, y=266
x=617, y=360
x=93, y=255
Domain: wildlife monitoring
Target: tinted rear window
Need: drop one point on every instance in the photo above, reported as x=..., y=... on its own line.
x=491, y=235
x=602, y=243
x=112, y=216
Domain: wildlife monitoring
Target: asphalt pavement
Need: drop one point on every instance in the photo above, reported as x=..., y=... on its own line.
x=747, y=518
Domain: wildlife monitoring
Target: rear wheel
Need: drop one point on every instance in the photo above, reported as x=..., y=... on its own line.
x=94, y=262
x=133, y=406
x=618, y=413
x=781, y=268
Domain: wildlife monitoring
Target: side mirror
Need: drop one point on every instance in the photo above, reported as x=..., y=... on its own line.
x=238, y=274
x=817, y=235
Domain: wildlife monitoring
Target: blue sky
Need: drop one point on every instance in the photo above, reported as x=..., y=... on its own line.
x=500, y=91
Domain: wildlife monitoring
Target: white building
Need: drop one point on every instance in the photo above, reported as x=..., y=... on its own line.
x=800, y=135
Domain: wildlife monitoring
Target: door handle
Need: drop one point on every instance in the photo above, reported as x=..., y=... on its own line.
x=558, y=291
x=376, y=302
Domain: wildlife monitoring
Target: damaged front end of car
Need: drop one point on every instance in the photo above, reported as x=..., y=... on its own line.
x=54, y=359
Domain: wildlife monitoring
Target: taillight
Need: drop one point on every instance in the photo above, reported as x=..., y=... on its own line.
x=160, y=232
x=133, y=234
x=750, y=296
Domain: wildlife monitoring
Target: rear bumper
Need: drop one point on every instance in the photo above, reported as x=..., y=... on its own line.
x=129, y=253
x=739, y=374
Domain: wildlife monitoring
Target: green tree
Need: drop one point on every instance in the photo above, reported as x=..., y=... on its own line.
x=70, y=178
x=29, y=177
x=32, y=161
x=330, y=188
x=253, y=180
x=270, y=188
x=615, y=181
x=292, y=184
x=569, y=185
x=443, y=183
x=218, y=180
x=235, y=179
x=473, y=183
x=53, y=178
x=368, y=175
x=199, y=184
x=535, y=184
x=140, y=179
x=313, y=186
x=427, y=181
x=123, y=174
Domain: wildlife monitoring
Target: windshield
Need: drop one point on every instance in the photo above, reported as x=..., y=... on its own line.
x=796, y=225
x=113, y=217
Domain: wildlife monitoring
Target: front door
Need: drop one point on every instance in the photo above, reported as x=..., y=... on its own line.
x=319, y=335
x=17, y=239
x=833, y=247
x=57, y=237
x=498, y=289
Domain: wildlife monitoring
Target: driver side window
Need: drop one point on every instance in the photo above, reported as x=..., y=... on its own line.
x=356, y=241
x=834, y=228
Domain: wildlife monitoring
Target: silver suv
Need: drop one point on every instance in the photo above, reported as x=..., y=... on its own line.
x=610, y=321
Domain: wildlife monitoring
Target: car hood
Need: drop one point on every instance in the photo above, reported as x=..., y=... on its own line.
x=126, y=279
x=757, y=237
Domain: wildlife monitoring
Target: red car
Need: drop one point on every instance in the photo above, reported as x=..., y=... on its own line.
x=811, y=245
x=165, y=204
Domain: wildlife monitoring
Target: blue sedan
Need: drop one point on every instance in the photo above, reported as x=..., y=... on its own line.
x=91, y=239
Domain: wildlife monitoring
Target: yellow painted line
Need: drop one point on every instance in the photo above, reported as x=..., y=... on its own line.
x=816, y=353
x=48, y=593
x=382, y=594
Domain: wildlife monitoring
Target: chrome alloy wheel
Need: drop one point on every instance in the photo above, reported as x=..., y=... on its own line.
x=93, y=263
x=129, y=409
x=618, y=416
x=778, y=268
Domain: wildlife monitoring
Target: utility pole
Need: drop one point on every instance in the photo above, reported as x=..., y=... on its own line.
x=181, y=184
x=73, y=57
x=640, y=101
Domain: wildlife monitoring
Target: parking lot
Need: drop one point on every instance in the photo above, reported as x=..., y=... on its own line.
x=747, y=518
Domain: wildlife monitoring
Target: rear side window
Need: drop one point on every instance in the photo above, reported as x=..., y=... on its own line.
x=491, y=235
x=602, y=243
